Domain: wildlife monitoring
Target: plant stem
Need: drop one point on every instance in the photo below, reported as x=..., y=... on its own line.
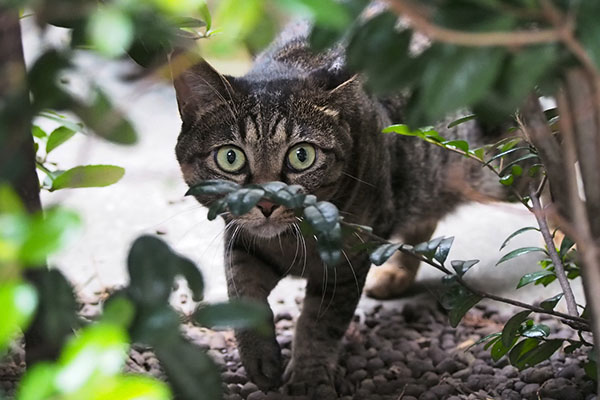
x=558, y=265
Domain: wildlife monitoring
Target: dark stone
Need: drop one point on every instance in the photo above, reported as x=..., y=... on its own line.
x=530, y=390
x=354, y=363
x=569, y=372
x=358, y=375
x=231, y=377
x=477, y=382
x=374, y=364
x=560, y=389
x=509, y=371
x=428, y=396
x=258, y=395
x=509, y=394
x=430, y=378
x=537, y=375
x=248, y=388
x=447, y=365
x=419, y=367
x=414, y=389
x=442, y=390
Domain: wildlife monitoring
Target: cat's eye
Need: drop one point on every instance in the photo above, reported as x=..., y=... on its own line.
x=301, y=157
x=230, y=158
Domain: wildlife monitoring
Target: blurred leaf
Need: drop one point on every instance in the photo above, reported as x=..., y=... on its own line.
x=38, y=382
x=462, y=120
x=521, y=348
x=591, y=370
x=537, y=354
x=189, y=22
x=499, y=349
x=516, y=233
x=539, y=330
x=461, y=267
x=235, y=314
x=62, y=120
x=459, y=77
x=518, y=160
x=588, y=31
x=550, y=303
x=118, y=310
x=509, y=332
x=192, y=374
x=486, y=338
x=323, y=216
x=400, y=129
x=43, y=80
x=384, y=252
x=565, y=246
x=102, y=117
x=461, y=308
x=213, y=187
x=328, y=13
x=110, y=30
x=58, y=136
x=48, y=234
x=216, y=208
x=18, y=302
x=155, y=324
x=519, y=252
x=98, y=350
x=243, y=200
x=88, y=176
x=532, y=277
x=505, y=153
x=10, y=202
x=507, y=180
x=192, y=275
x=131, y=387
x=572, y=347
x=205, y=14
x=38, y=132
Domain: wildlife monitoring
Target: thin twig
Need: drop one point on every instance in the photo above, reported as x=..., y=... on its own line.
x=559, y=269
x=479, y=39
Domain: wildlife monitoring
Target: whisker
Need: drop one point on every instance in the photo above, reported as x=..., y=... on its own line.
x=358, y=179
x=353, y=273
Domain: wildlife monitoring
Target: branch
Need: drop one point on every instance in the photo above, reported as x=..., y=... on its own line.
x=558, y=265
x=421, y=23
x=575, y=321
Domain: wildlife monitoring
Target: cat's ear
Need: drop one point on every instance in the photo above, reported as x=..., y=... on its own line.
x=198, y=86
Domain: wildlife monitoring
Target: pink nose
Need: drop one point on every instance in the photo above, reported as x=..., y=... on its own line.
x=266, y=207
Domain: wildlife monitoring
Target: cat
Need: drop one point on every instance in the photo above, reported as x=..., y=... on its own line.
x=302, y=118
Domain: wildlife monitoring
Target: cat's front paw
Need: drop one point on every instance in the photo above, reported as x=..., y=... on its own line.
x=388, y=281
x=262, y=360
x=315, y=382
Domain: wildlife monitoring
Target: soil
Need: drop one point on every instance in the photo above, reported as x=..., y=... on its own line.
x=390, y=354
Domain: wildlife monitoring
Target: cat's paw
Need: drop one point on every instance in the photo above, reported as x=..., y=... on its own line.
x=315, y=382
x=263, y=364
x=388, y=281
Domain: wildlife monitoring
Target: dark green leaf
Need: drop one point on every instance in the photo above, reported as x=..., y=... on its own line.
x=384, y=252
x=235, y=314
x=525, y=69
x=521, y=348
x=213, y=187
x=518, y=160
x=532, y=277
x=243, y=200
x=519, y=252
x=572, y=347
x=461, y=307
x=58, y=137
x=461, y=120
x=86, y=176
x=550, y=303
x=216, y=208
x=591, y=370
x=192, y=275
x=118, y=310
x=322, y=216
x=516, y=233
x=442, y=249
x=538, y=354
x=461, y=267
x=38, y=382
x=539, y=330
x=499, y=349
x=18, y=302
x=509, y=333
x=565, y=246
x=486, y=338
x=504, y=153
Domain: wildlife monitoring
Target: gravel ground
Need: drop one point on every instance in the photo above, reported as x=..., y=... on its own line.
x=389, y=354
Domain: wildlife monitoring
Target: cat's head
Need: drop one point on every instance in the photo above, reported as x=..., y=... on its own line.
x=255, y=131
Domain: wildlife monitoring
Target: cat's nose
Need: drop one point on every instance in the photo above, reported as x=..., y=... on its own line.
x=266, y=207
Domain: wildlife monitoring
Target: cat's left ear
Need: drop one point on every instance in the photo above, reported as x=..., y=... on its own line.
x=198, y=85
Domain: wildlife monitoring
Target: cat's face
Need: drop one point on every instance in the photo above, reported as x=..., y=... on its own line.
x=256, y=132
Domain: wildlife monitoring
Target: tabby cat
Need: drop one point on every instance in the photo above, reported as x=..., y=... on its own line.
x=302, y=118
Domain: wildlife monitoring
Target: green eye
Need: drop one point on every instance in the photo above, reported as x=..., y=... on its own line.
x=301, y=157
x=230, y=158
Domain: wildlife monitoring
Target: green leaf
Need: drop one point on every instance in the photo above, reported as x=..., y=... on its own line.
x=191, y=373
x=188, y=22
x=518, y=160
x=572, y=347
x=48, y=234
x=212, y=187
x=519, y=252
x=205, y=14
x=533, y=277
x=521, y=348
x=509, y=332
x=516, y=233
x=383, y=253
x=38, y=382
x=526, y=68
x=400, y=129
x=131, y=387
x=538, y=354
x=459, y=77
x=323, y=216
x=328, y=13
x=565, y=246
x=550, y=303
x=18, y=302
x=58, y=136
x=442, y=249
x=461, y=267
x=539, y=330
x=38, y=132
x=507, y=180
x=62, y=120
x=102, y=117
x=462, y=120
x=192, y=275
x=461, y=307
x=486, y=338
x=235, y=314
x=216, y=208
x=243, y=200
x=10, y=203
x=110, y=31
x=458, y=144
x=86, y=176
x=591, y=370
x=499, y=349
x=504, y=154
x=119, y=310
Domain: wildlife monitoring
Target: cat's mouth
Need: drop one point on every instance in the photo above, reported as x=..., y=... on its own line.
x=267, y=227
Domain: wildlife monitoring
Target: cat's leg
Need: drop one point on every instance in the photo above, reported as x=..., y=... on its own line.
x=250, y=278
x=327, y=311
x=397, y=274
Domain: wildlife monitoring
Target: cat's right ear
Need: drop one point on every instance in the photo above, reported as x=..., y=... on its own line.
x=198, y=86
